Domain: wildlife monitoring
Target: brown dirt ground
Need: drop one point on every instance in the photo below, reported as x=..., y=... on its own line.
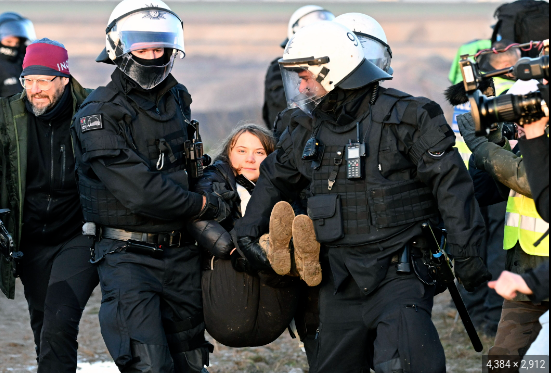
x=229, y=46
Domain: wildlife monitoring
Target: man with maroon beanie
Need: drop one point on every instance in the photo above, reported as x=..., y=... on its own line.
x=39, y=187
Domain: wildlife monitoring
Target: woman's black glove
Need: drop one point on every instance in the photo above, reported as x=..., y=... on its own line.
x=254, y=253
x=228, y=196
x=241, y=264
x=471, y=272
x=210, y=235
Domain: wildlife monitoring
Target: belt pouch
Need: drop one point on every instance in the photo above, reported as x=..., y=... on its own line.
x=326, y=213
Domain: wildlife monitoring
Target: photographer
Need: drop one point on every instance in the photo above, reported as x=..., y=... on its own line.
x=519, y=324
x=535, y=150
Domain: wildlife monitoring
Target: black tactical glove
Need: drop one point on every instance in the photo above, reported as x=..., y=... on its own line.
x=215, y=208
x=471, y=272
x=255, y=255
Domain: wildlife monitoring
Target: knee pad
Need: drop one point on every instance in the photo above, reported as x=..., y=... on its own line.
x=191, y=361
x=391, y=366
x=148, y=359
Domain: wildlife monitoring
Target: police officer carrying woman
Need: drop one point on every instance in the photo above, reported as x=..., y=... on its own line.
x=134, y=190
x=379, y=163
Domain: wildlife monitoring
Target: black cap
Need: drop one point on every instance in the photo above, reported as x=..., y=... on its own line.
x=366, y=73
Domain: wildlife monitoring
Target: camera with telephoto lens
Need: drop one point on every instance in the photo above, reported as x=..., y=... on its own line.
x=520, y=109
x=196, y=159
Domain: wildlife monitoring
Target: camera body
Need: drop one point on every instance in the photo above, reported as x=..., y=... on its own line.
x=520, y=109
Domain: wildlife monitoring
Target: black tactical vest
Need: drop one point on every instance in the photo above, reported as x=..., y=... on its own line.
x=369, y=211
x=157, y=138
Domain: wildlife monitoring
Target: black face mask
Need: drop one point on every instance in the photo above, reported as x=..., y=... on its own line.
x=10, y=53
x=161, y=61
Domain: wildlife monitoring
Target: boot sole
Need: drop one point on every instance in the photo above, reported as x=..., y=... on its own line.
x=281, y=233
x=307, y=250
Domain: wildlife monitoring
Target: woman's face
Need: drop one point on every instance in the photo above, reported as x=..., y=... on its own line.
x=247, y=155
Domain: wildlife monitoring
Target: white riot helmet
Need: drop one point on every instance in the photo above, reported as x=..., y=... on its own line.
x=321, y=57
x=138, y=25
x=372, y=36
x=305, y=16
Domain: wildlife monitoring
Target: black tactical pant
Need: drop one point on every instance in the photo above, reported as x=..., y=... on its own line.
x=151, y=313
x=390, y=330
x=484, y=304
x=58, y=281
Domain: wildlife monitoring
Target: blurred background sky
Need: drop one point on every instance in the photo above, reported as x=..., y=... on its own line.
x=229, y=45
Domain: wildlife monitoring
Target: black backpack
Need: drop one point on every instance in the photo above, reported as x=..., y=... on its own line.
x=522, y=21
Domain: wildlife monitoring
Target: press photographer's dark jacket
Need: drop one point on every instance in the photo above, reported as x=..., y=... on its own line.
x=536, y=157
x=413, y=174
x=120, y=133
x=19, y=173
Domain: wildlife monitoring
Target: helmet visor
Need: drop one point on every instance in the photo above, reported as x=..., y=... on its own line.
x=20, y=29
x=376, y=53
x=302, y=88
x=310, y=18
x=147, y=77
x=148, y=29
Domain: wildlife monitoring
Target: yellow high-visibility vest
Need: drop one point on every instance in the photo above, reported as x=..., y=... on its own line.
x=523, y=224
x=464, y=150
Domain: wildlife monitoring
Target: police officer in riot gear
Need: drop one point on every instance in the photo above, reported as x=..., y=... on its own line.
x=130, y=141
x=379, y=163
x=16, y=33
x=274, y=94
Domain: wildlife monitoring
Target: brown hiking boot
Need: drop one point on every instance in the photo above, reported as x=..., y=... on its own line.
x=281, y=232
x=307, y=250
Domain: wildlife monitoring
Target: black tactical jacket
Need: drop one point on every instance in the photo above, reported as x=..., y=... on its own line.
x=411, y=161
x=9, y=75
x=274, y=94
x=124, y=181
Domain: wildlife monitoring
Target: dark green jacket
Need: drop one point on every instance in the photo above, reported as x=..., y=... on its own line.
x=13, y=167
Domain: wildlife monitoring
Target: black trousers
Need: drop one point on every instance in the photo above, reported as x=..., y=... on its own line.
x=58, y=281
x=390, y=330
x=242, y=310
x=484, y=304
x=151, y=314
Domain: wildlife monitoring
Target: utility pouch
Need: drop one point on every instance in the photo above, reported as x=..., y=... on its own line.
x=142, y=248
x=326, y=212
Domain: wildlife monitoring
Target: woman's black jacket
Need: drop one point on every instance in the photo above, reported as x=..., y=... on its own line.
x=211, y=235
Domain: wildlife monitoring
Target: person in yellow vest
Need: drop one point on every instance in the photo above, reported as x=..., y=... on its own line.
x=519, y=325
x=484, y=304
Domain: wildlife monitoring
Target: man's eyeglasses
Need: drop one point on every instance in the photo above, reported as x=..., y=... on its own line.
x=43, y=84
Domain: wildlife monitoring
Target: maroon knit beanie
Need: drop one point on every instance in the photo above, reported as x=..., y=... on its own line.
x=46, y=57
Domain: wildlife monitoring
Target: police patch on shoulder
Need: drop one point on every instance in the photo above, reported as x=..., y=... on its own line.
x=91, y=123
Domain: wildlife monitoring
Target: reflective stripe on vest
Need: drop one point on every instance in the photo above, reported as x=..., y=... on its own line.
x=464, y=151
x=523, y=224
